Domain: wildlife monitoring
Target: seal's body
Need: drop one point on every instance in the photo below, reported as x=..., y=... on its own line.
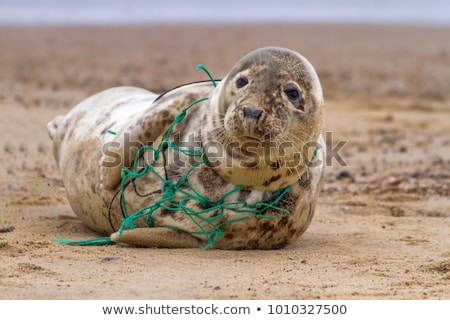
x=258, y=129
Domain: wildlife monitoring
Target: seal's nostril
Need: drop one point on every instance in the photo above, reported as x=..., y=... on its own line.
x=252, y=114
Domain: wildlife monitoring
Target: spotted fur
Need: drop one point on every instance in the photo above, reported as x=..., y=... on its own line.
x=256, y=129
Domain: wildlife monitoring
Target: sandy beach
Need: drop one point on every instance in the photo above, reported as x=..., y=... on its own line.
x=382, y=223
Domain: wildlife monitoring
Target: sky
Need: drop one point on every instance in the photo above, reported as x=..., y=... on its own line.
x=212, y=11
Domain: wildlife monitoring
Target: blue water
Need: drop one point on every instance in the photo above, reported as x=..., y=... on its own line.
x=169, y=11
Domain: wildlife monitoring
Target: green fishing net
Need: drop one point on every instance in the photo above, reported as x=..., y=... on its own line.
x=175, y=195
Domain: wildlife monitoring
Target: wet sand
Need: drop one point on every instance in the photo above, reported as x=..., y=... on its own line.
x=382, y=224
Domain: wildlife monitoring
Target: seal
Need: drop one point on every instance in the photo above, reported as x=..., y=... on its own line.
x=259, y=131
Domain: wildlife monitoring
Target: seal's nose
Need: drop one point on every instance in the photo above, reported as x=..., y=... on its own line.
x=252, y=114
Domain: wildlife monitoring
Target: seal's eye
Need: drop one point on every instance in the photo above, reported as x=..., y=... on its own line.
x=293, y=93
x=241, y=82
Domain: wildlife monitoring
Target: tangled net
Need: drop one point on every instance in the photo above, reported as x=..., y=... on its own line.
x=175, y=195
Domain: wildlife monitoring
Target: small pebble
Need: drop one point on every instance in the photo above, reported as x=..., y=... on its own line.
x=344, y=174
x=6, y=229
x=110, y=258
x=397, y=212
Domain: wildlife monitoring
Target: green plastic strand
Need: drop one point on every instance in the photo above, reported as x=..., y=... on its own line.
x=174, y=196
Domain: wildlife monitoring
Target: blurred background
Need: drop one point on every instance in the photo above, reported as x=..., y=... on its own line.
x=169, y=11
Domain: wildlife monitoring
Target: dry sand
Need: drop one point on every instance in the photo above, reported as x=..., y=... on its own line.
x=382, y=225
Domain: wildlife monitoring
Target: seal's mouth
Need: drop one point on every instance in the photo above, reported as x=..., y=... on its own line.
x=254, y=137
x=250, y=137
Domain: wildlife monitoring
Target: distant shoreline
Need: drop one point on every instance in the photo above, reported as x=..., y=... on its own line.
x=223, y=24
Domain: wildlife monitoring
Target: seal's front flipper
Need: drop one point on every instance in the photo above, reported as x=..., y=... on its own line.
x=157, y=238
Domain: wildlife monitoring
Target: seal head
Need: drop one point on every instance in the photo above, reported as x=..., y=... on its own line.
x=265, y=120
